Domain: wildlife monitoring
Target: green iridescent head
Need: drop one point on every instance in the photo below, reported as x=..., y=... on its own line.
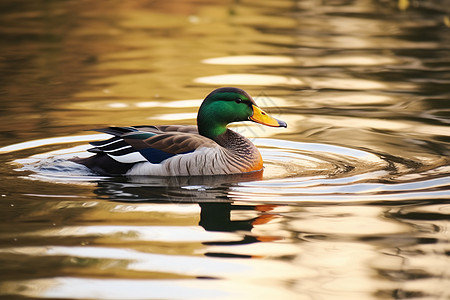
x=227, y=105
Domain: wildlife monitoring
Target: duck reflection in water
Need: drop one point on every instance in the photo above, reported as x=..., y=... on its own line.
x=217, y=217
x=207, y=192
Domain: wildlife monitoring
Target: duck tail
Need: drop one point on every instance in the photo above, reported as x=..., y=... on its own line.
x=102, y=164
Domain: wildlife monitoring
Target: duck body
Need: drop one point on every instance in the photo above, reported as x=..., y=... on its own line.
x=171, y=151
x=209, y=148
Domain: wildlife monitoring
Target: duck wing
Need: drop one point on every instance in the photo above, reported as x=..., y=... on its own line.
x=169, y=128
x=118, y=131
x=132, y=145
x=150, y=143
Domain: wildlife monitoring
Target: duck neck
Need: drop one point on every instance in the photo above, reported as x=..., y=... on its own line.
x=209, y=126
x=241, y=150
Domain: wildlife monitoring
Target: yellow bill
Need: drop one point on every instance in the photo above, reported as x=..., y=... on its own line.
x=261, y=117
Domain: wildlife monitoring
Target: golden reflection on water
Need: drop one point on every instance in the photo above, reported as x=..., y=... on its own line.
x=249, y=60
x=329, y=60
x=249, y=79
x=339, y=221
x=143, y=289
x=345, y=84
x=380, y=124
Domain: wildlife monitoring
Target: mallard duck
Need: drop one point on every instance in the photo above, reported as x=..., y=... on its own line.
x=209, y=148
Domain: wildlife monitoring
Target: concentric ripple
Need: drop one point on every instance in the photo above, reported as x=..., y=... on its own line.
x=294, y=173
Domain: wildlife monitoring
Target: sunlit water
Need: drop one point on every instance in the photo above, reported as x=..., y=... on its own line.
x=354, y=199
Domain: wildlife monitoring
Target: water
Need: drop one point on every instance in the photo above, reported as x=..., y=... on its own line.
x=354, y=199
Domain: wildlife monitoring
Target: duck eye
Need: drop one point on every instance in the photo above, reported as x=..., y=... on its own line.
x=238, y=100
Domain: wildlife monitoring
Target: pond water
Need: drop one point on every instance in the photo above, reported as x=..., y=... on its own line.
x=354, y=202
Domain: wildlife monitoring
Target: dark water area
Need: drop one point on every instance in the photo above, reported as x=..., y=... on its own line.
x=354, y=201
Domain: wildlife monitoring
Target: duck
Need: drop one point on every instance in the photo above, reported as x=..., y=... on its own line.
x=209, y=148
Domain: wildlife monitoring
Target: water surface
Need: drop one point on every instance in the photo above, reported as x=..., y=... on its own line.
x=354, y=199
